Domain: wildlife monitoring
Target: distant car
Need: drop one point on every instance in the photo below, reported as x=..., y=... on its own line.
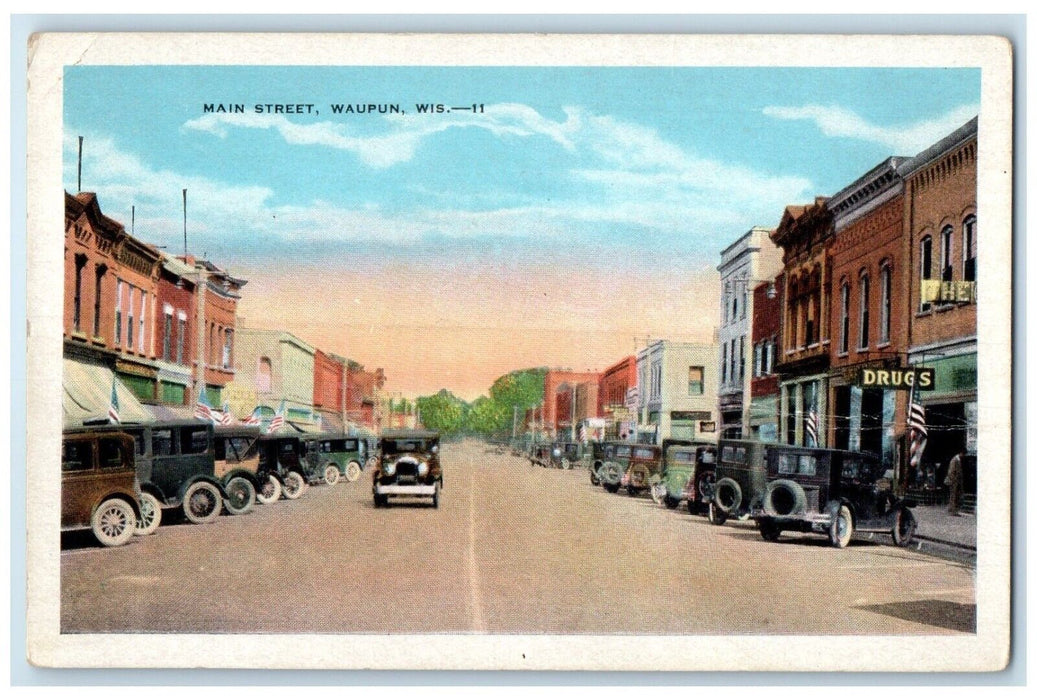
x=688, y=474
x=592, y=457
x=644, y=468
x=834, y=492
x=564, y=455
x=330, y=456
x=741, y=479
x=407, y=465
x=540, y=454
x=99, y=487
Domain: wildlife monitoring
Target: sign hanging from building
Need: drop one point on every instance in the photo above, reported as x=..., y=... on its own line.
x=958, y=291
x=922, y=378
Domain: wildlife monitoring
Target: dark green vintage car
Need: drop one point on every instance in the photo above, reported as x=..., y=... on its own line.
x=688, y=474
x=282, y=467
x=330, y=456
x=741, y=479
x=615, y=461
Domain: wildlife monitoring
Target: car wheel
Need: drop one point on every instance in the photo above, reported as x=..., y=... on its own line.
x=595, y=481
x=841, y=530
x=770, y=531
x=331, y=475
x=293, y=485
x=705, y=486
x=270, y=492
x=435, y=497
x=671, y=502
x=241, y=496
x=784, y=497
x=113, y=522
x=728, y=495
x=150, y=515
x=381, y=501
x=353, y=470
x=611, y=488
x=658, y=492
x=904, y=525
x=202, y=503
x=716, y=516
x=566, y=464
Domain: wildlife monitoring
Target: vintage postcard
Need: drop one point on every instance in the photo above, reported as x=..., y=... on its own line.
x=603, y=352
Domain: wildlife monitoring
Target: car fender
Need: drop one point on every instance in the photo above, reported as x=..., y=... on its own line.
x=120, y=494
x=201, y=477
x=251, y=477
x=157, y=492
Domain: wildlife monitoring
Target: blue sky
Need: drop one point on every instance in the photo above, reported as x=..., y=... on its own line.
x=618, y=170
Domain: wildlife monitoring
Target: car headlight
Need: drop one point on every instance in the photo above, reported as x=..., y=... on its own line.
x=389, y=468
x=423, y=468
x=556, y=453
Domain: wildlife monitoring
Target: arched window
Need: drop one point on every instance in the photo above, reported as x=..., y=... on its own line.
x=968, y=248
x=885, y=308
x=946, y=250
x=863, y=298
x=263, y=373
x=925, y=264
x=844, y=319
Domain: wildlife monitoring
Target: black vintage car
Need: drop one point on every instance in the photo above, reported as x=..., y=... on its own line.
x=407, y=465
x=282, y=467
x=564, y=455
x=835, y=492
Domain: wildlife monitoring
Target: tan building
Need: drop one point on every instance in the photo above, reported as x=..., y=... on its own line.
x=277, y=366
x=677, y=391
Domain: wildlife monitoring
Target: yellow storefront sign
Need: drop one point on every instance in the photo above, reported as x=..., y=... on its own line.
x=937, y=291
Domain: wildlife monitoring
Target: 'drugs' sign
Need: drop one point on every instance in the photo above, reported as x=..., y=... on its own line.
x=921, y=378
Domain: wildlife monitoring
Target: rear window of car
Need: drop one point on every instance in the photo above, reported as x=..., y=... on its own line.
x=734, y=454
x=622, y=451
x=805, y=465
x=110, y=454
x=77, y=456
x=644, y=453
x=683, y=456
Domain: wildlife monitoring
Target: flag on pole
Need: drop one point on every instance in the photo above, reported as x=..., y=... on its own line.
x=918, y=432
x=227, y=418
x=113, y=403
x=254, y=418
x=277, y=422
x=202, y=409
x=810, y=427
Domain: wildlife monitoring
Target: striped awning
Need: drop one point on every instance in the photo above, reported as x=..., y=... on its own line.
x=87, y=391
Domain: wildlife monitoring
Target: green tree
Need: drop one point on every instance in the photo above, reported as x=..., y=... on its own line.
x=442, y=412
x=523, y=388
x=488, y=417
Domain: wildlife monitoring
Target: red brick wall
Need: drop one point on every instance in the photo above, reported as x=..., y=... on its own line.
x=865, y=246
x=219, y=315
x=612, y=388
x=182, y=300
x=940, y=195
x=552, y=380
x=767, y=325
x=327, y=382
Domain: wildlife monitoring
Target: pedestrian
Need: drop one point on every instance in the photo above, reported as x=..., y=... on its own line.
x=953, y=482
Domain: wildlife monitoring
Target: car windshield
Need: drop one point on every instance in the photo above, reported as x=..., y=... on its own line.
x=644, y=453
x=396, y=446
x=622, y=451
x=797, y=464
x=682, y=456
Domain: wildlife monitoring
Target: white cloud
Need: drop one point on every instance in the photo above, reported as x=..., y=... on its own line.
x=903, y=139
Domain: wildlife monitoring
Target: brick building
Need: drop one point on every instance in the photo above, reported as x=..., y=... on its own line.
x=329, y=373
x=552, y=380
x=805, y=235
x=613, y=386
x=940, y=187
x=174, y=326
x=364, y=395
x=868, y=314
x=764, y=389
x=216, y=325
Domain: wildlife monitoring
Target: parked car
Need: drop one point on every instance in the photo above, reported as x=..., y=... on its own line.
x=540, y=454
x=407, y=465
x=236, y=453
x=688, y=474
x=564, y=455
x=99, y=487
x=741, y=479
x=282, y=467
x=592, y=457
x=836, y=492
x=176, y=468
x=334, y=455
x=645, y=466
x=616, y=460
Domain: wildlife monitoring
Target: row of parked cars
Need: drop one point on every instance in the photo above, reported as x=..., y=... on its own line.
x=117, y=480
x=780, y=487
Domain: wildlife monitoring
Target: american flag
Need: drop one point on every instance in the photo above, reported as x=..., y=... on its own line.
x=254, y=418
x=918, y=432
x=202, y=409
x=277, y=422
x=227, y=418
x=810, y=427
x=113, y=404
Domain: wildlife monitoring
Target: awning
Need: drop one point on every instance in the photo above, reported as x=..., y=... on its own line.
x=87, y=393
x=165, y=412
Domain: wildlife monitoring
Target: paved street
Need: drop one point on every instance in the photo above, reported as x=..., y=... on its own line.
x=511, y=549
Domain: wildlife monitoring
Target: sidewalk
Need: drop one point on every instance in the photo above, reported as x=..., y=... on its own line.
x=937, y=525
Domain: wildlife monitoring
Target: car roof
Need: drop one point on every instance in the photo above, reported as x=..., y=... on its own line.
x=408, y=434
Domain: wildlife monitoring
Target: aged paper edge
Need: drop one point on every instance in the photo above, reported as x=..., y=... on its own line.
x=987, y=650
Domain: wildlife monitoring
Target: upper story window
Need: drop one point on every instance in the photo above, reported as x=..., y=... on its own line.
x=885, y=308
x=696, y=383
x=118, y=312
x=968, y=248
x=946, y=250
x=167, y=334
x=844, y=318
x=864, y=320
x=723, y=363
x=925, y=264
x=228, y=338
x=98, y=278
x=77, y=299
x=129, y=317
x=263, y=372
x=181, y=337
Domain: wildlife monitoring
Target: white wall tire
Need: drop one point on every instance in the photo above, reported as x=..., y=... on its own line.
x=353, y=471
x=331, y=475
x=150, y=515
x=202, y=503
x=114, y=522
x=271, y=491
x=294, y=485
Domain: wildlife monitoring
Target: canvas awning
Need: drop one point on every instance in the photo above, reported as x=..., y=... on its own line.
x=87, y=392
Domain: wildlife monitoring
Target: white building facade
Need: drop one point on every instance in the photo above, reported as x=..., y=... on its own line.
x=677, y=391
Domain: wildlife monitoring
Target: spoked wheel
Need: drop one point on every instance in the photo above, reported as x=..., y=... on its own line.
x=904, y=527
x=840, y=532
x=241, y=496
x=113, y=522
x=659, y=494
x=293, y=485
x=270, y=492
x=331, y=475
x=353, y=471
x=150, y=515
x=202, y=503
